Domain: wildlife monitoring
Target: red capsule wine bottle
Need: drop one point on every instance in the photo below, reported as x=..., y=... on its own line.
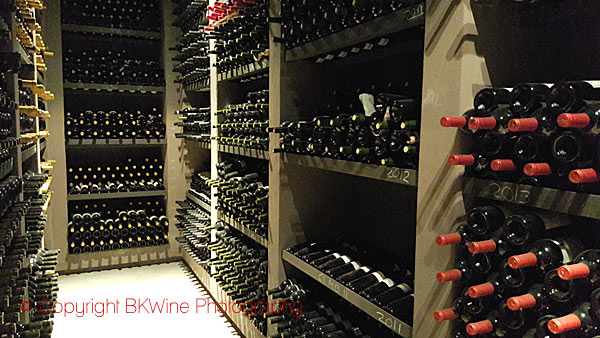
x=498, y=120
x=475, y=164
x=548, y=254
x=542, y=121
x=586, y=119
x=586, y=265
x=580, y=320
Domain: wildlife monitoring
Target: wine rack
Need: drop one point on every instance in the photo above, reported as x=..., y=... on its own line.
x=28, y=267
x=114, y=66
x=402, y=19
x=391, y=322
x=315, y=183
x=313, y=196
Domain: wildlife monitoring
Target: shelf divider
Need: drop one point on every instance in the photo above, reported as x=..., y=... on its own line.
x=412, y=16
x=111, y=31
x=115, y=142
x=114, y=87
x=376, y=172
x=131, y=194
x=256, y=153
x=198, y=201
x=244, y=71
x=216, y=292
x=566, y=202
x=391, y=322
x=243, y=229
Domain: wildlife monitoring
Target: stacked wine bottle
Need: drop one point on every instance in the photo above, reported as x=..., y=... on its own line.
x=35, y=218
x=194, y=63
x=194, y=226
x=246, y=124
x=190, y=14
x=304, y=22
x=193, y=46
x=200, y=187
x=114, y=125
x=392, y=293
x=534, y=134
x=26, y=268
x=244, y=39
x=43, y=289
x=133, y=228
x=195, y=124
x=136, y=15
x=138, y=175
x=7, y=109
x=386, y=132
x=108, y=67
x=321, y=316
x=241, y=269
x=243, y=194
x=521, y=275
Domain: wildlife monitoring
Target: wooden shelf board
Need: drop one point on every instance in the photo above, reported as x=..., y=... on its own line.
x=115, y=87
x=111, y=31
x=115, y=142
x=198, y=201
x=567, y=202
x=393, y=323
x=409, y=17
x=46, y=186
x=372, y=171
x=244, y=230
x=131, y=194
x=214, y=289
x=256, y=153
x=244, y=71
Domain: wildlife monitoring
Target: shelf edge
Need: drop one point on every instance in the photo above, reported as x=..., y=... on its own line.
x=391, y=322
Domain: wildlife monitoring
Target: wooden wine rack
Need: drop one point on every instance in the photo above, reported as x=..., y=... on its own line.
x=462, y=53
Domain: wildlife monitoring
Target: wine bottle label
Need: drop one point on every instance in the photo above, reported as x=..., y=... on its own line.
x=368, y=102
x=346, y=259
x=380, y=277
x=355, y=265
x=388, y=282
x=366, y=269
x=404, y=287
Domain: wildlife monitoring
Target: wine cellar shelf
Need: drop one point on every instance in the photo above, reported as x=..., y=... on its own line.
x=403, y=19
x=355, y=299
x=115, y=142
x=245, y=71
x=201, y=86
x=256, y=153
x=198, y=201
x=214, y=289
x=29, y=152
x=567, y=202
x=372, y=171
x=245, y=230
x=111, y=31
x=131, y=194
x=114, y=87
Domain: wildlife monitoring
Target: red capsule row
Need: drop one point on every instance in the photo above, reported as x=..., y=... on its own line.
x=565, y=120
x=576, y=176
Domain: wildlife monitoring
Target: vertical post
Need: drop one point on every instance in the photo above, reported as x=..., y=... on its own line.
x=55, y=234
x=38, y=154
x=214, y=145
x=449, y=51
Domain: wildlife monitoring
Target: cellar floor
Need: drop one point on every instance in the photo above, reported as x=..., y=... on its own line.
x=134, y=316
